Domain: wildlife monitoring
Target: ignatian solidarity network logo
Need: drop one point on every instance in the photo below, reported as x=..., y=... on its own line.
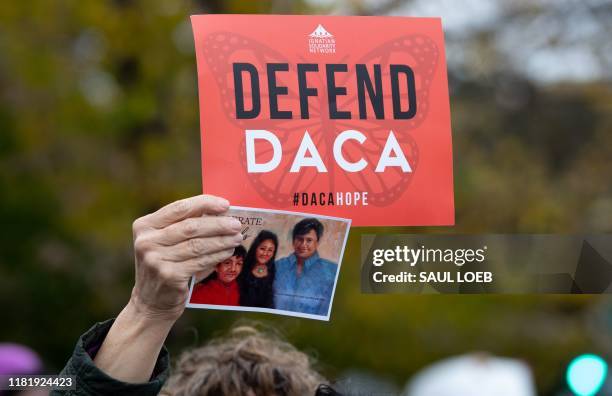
x=320, y=41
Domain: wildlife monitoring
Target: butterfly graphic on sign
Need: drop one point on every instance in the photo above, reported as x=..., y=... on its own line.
x=222, y=49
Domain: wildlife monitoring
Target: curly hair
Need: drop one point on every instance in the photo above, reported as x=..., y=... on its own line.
x=245, y=362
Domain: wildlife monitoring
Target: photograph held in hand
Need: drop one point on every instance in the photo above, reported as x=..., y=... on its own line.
x=288, y=263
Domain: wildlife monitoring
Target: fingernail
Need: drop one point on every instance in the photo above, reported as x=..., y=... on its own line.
x=224, y=203
x=238, y=238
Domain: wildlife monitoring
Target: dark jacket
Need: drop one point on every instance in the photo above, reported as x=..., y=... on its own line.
x=90, y=380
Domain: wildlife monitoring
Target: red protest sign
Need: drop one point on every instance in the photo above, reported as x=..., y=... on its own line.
x=341, y=116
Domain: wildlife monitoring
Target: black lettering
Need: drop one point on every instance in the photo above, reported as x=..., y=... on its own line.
x=241, y=112
x=274, y=90
x=305, y=92
x=333, y=91
x=375, y=94
x=398, y=113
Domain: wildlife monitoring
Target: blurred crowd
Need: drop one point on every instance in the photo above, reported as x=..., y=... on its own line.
x=476, y=374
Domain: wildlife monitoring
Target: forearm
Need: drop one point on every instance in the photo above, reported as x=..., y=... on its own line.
x=132, y=345
x=170, y=246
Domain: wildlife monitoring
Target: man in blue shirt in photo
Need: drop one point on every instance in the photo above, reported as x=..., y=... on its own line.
x=304, y=282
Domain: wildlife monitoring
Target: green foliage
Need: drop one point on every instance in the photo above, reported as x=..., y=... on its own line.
x=99, y=125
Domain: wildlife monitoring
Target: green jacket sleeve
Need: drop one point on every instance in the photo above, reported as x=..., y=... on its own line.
x=90, y=380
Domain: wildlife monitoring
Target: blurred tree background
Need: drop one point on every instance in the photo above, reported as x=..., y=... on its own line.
x=99, y=125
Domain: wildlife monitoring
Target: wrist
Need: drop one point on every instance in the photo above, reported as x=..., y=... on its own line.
x=137, y=312
x=133, y=344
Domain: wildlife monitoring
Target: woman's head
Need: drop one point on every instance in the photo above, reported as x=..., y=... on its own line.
x=246, y=362
x=263, y=250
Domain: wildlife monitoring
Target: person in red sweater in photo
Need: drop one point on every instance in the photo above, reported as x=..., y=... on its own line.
x=221, y=287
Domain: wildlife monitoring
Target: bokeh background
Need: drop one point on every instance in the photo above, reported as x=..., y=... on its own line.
x=99, y=125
